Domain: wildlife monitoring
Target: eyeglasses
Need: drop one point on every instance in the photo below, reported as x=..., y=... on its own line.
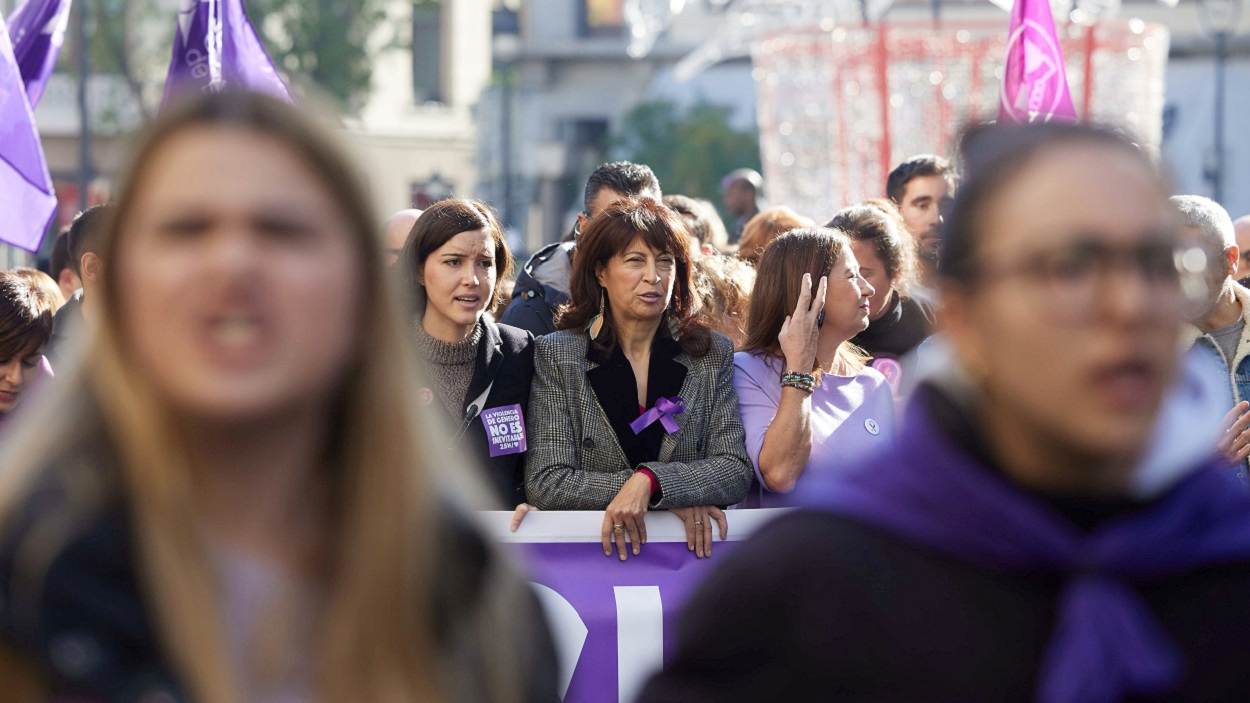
x=1074, y=278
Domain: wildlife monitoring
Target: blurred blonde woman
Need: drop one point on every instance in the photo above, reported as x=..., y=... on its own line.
x=244, y=508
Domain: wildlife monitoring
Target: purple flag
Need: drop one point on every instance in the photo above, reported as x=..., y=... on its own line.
x=1035, y=83
x=216, y=47
x=26, y=195
x=37, y=28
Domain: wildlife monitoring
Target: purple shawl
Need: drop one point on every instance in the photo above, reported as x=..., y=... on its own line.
x=1106, y=642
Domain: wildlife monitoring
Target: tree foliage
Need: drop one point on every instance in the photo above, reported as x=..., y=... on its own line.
x=326, y=42
x=689, y=150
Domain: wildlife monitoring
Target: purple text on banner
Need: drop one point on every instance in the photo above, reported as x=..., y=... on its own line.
x=505, y=429
x=626, y=612
x=614, y=622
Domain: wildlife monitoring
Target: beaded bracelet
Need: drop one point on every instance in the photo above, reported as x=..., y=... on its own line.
x=802, y=381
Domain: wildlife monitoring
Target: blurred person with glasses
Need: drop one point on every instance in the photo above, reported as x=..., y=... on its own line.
x=1052, y=522
x=1218, y=321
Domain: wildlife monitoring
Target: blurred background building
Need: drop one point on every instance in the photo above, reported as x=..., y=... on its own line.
x=568, y=94
x=516, y=101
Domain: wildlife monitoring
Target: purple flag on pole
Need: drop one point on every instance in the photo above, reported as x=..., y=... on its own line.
x=37, y=28
x=216, y=47
x=1035, y=83
x=26, y=195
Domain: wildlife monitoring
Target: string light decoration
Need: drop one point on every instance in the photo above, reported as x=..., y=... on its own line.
x=838, y=109
x=843, y=93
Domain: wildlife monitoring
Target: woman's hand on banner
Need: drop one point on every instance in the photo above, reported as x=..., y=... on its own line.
x=625, y=517
x=698, y=522
x=518, y=515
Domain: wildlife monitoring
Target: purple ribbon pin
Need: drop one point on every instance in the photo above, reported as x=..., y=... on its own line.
x=665, y=410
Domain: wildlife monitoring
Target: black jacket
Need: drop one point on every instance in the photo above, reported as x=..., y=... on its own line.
x=73, y=609
x=503, y=370
x=901, y=329
x=534, y=301
x=65, y=322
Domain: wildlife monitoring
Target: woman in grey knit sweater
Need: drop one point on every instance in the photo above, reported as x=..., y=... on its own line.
x=479, y=370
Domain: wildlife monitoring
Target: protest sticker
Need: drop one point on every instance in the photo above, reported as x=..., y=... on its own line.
x=505, y=429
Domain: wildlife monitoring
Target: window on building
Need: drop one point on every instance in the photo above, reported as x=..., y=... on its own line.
x=427, y=51
x=603, y=17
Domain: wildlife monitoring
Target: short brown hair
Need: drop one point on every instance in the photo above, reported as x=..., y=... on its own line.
x=779, y=279
x=607, y=235
x=438, y=224
x=917, y=167
x=766, y=226
x=25, y=316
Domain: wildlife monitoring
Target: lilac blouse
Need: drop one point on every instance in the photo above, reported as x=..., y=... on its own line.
x=850, y=416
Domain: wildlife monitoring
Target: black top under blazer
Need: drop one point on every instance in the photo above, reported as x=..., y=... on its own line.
x=505, y=363
x=576, y=460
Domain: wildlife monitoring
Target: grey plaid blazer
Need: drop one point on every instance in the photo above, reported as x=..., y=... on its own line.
x=575, y=462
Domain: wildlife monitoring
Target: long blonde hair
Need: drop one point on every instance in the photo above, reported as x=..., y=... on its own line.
x=375, y=640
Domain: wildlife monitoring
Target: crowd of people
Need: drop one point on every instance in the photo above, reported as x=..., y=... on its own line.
x=245, y=428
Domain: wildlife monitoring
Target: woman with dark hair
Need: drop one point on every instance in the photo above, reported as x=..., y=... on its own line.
x=808, y=402
x=1053, y=523
x=25, y=326
x=897, y=322
x=453, y=262
x=633, y=405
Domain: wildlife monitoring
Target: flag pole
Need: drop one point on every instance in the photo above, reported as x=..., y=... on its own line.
x=84, y=122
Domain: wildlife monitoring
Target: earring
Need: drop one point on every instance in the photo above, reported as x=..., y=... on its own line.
x=596, y=322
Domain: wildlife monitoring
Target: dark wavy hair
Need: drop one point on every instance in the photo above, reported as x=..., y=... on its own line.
x=607, y=235
x=438, y=224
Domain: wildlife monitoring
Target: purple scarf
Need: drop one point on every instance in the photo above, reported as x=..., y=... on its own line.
x=1106, y=643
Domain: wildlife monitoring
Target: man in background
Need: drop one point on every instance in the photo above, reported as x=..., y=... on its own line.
x=83, y=240
x=543, y=285
x=1220, y=324
x=742, y=191
x=922, y=187
x=396, y=233
x=61, y=268
x=1242, y=227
